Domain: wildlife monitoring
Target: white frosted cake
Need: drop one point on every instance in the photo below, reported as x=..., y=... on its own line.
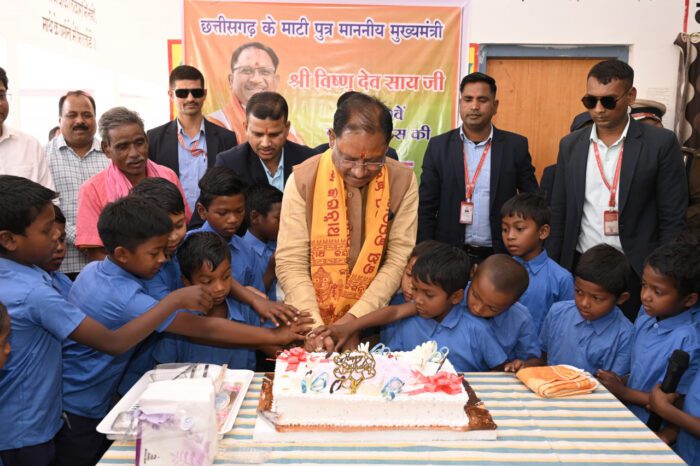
x=365, y=389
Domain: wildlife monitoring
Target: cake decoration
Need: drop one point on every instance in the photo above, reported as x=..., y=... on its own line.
x=354, y=367
x=370, y=389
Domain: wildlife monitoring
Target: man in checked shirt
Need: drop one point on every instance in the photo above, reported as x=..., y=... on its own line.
x=74, y=157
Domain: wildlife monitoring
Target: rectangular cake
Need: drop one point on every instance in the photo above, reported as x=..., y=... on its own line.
x=370, y=390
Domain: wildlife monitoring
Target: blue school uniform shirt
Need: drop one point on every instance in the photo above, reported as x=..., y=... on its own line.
x=688, y=445
x=653, y=342
x=30, y=382
x=112, y=296
x=167, y=280
x=61, y=283
x=176, y=348
x=242, y=259
x=386, y=332
x=515, y=331
x=473, y=347
x=262, y=252
x=604, y=343
x=549, y=284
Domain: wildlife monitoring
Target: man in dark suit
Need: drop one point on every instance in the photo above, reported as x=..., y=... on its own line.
x=268, y=156
x=649, y=207
x=468, y=213
x=188, y=145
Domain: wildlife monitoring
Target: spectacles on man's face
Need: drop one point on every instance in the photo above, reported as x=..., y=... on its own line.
x=5, y=97
x=607, y=101
x=197, y=93
x=250, y=71
x=351, y=164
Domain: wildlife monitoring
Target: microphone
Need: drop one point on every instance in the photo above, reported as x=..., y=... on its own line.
x=677, y=365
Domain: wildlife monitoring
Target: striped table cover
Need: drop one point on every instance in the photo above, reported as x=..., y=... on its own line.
x=591, y=429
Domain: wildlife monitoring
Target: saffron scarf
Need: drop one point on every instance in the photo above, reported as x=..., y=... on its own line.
x=337, y=288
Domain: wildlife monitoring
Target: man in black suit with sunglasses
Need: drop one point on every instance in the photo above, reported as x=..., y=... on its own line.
x=618, y=182
x=188, y=145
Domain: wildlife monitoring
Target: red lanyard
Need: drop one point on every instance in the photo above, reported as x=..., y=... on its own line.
x=613, y=188
x=470, y=185
x=193, y=149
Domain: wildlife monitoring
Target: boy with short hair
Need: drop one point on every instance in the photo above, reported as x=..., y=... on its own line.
x=205, y=260
x=167, y=197
x=589, y=332
x=526, y=225
x=670, y=284
x=490, y=300
x=30, y=384
x=222, y=206
x=439, y=314
x=135, y=233
x=59, y=280
x=263, y=204
x=439, y=281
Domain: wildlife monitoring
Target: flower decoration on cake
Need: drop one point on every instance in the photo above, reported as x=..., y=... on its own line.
x=445, y=382
x=354, y=367
x=293, y=357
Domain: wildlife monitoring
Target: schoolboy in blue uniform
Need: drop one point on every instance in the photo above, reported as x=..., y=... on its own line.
x=439, y=280
x=205, y=260
x=590, y=332
x=166, y=196
x=222, y=206
x=135, y=234
x=60, y=280
x=492, y=295
x=30, y=382
x=664, y=324
x=525, y=222
x=489, y=303
x=263, y=204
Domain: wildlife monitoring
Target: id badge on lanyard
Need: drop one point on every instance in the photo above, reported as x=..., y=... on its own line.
x=466, y=210
x=611, y=217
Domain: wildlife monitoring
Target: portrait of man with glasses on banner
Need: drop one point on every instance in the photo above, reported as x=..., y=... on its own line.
x=618, y=182
x=349, y=220
x=253, y=69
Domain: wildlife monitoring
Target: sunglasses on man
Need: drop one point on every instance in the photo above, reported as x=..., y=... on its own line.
x=197, y=93
x=608, y=101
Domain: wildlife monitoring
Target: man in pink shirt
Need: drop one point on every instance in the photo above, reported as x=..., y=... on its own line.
x=124, y=141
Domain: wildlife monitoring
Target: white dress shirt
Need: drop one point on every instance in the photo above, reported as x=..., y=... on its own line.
x=597, y=200
x=22, y=155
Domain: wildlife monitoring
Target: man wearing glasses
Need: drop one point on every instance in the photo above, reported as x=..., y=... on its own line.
x=253, y=69
x=20, y=153
x=618, y=182
x=188, y=145
x=349, y=219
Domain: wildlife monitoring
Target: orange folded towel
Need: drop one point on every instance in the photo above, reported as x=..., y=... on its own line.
x=556, y=381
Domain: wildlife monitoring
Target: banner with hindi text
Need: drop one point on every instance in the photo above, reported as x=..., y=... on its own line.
x=408, y=56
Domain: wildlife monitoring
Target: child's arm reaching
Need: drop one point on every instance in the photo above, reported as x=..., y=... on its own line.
x=92, y=333
x=618, y=387
x=341, y=333
x=516, y=364
x=217, y=331
x=270, y=310
x=667, y=405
